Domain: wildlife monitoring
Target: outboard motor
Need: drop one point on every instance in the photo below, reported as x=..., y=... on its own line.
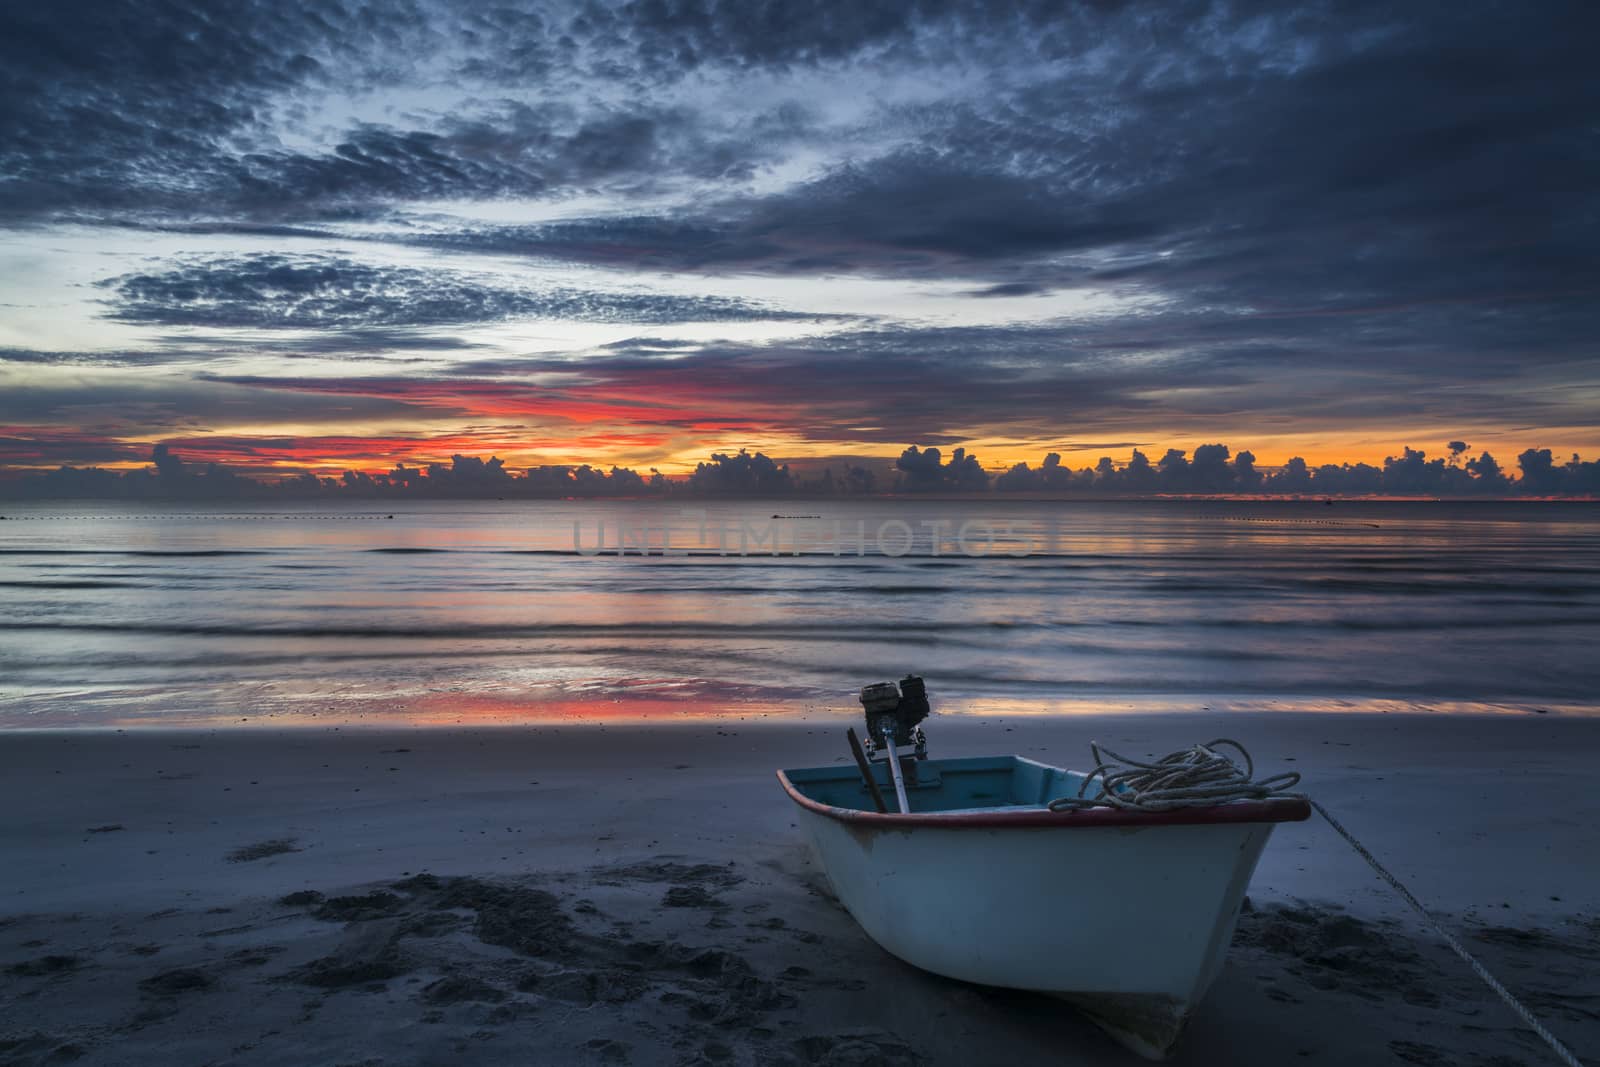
x=894, y=714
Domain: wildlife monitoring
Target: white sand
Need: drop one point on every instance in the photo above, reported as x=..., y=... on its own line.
x=684, y=922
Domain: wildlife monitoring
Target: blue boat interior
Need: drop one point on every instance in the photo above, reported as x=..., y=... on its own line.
x=979, y=783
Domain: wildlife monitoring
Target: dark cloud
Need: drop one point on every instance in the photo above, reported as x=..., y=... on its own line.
x=864, y=386
x=1293, y=203
x=110, y=358
x=162, y=109
x=33, y=447
x=349, y=345
x=1181, y=370
x=1323, y=158
x=1009, y=289
x=124, y=401
x=329, y=292
x=915, y=213
x=385, y=346
x=145, y=101
x=497, y=151
x=1336, y=189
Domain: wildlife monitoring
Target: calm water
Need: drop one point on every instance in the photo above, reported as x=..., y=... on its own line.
x=472, y=610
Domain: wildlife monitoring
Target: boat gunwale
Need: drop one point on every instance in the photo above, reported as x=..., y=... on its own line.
x=1270, y=810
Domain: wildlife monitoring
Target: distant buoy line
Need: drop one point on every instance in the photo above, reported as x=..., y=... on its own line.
x=1294, y=522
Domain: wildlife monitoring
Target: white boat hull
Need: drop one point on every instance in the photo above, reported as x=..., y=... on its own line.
x=1130, y=922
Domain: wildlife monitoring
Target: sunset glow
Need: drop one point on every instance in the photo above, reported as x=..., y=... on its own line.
x=631, y=242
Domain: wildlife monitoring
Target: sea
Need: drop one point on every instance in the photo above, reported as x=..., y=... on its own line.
x=461, y=612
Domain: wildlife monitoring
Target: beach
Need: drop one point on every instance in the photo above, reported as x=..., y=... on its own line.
x=456, y=458
x=633, y=892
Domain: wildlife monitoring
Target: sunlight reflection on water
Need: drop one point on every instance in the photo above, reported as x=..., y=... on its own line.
x=489, y=608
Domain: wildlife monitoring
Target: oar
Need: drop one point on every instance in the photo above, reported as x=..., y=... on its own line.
x=866, y=770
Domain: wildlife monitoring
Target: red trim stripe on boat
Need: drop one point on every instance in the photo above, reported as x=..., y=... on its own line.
x=1274, y=809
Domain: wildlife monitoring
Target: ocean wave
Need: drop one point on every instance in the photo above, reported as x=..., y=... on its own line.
x=66, y=584
x=175, y=552
x=888, y=628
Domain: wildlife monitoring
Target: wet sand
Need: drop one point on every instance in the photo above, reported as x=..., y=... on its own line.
x=639, y=894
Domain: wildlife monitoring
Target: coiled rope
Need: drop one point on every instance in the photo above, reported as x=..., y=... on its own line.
x=1200, y=776
x=1189, y=778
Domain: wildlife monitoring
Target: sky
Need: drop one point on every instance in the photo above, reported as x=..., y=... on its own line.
x=326, y=235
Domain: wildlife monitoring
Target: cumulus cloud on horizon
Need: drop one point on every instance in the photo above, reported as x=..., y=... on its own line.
x=1213, y=470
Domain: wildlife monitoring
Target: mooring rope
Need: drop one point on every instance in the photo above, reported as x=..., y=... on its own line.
x=1563, y=1053
x=1200, y=777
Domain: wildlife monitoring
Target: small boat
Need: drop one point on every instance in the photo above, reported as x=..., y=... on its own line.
x=1127, y=914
